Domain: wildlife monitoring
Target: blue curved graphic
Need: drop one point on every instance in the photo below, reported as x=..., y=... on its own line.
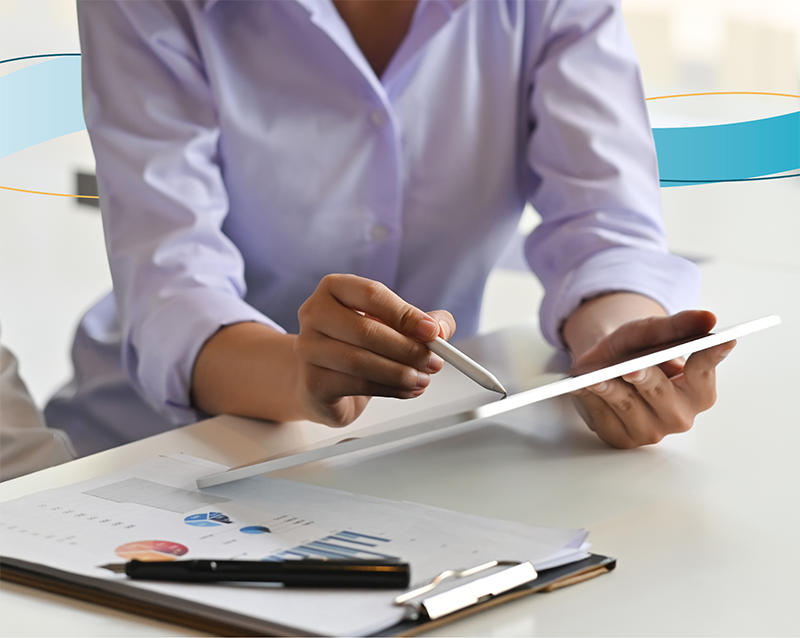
x=43, y=101
x=40, y=102
x=728, y=152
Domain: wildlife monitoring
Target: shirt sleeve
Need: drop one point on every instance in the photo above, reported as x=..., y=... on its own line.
x=594, y=174
x=26, y=444
x=151, y=117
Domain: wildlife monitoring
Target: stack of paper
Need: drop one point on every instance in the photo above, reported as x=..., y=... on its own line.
x=154, y=511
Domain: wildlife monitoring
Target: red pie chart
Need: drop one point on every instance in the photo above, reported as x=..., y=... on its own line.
x=151, y=550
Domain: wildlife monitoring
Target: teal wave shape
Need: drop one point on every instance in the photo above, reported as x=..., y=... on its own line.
x=40, y=102
x=728, y=152
x=43, y=101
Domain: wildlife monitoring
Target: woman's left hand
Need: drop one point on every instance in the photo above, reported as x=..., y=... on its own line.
x=643, y=407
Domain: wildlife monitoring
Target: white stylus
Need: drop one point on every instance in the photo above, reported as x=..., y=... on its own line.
x=463, y=363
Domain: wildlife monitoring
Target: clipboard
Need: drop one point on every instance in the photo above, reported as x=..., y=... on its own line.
x=486, y=405
x=519, y=585
x=149, y=511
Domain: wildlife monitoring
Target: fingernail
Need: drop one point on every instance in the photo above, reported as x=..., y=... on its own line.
x=427, y=329
x=435, y=362
x=600, y=387
x=635, y=377
x=423, y=379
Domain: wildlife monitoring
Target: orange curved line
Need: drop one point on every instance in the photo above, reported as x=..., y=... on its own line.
x=664, y=97
x=22, y=190
x=659, y=97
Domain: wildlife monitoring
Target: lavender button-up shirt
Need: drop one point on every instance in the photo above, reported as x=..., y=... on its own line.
x=245, y=149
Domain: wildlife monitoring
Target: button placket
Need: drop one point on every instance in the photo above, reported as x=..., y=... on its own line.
x=384, y=203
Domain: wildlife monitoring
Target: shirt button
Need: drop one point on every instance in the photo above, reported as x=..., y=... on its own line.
x=379, y=232
x=378, y=117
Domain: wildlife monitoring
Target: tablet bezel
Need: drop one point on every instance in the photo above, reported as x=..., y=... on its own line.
x=486, y=405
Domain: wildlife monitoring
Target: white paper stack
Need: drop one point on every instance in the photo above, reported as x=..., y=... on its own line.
x=154, y=511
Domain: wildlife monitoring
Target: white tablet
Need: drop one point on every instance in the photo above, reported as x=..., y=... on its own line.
x=486, y=405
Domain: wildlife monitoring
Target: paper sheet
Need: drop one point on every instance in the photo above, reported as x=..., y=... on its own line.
x=155, y=511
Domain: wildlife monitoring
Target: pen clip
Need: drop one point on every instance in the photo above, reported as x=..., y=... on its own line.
x=471, y=593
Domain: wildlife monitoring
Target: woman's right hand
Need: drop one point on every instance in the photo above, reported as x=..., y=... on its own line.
x=358, y=339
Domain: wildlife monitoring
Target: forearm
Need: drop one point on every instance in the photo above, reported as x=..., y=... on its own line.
x=247, y=369
x=599, y=317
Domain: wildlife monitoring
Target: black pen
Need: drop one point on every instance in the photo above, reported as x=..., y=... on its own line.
x=307, y=572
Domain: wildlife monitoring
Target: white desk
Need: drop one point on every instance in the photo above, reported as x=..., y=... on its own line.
x=705, y=525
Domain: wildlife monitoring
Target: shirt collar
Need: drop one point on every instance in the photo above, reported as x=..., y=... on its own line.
x=447, y=5
x=308, y=5
x=321, y=13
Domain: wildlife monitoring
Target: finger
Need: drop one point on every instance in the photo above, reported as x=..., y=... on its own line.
x=328, y=386
x=673, y=367
x=446, y=322
x=602, y=420
x=374, y=336
x=671, y=407
x=323, y=315
x=635, y=415
x=338, y=412
x=641, y=334
x=360, y=363
x=373, y=298
x=698, y=381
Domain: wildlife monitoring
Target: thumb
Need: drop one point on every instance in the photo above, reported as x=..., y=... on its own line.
x=447, y=324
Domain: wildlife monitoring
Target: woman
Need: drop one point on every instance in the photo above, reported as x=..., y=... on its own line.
x=286, y=185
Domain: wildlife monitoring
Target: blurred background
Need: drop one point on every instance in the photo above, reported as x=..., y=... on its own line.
x=52, y=259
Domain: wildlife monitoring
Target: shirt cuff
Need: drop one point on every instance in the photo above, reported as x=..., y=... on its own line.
x=164, y=346
x=672, y=281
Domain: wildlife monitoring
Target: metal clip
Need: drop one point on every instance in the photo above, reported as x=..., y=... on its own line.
x=468, y=594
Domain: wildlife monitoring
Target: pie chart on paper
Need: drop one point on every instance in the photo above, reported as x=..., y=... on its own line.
x=151, y=550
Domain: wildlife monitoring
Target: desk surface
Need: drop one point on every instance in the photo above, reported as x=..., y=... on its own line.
x=704, y=525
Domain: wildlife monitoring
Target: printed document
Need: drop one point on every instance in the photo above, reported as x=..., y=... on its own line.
x=154, y=511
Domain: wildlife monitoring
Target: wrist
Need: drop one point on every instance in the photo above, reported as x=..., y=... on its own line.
x=598, y=317
x=247, y=369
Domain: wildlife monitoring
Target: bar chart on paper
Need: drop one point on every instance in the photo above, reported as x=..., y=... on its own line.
x=341, y=545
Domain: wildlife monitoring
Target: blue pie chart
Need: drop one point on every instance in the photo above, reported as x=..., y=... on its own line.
x=207, y=519
x=255, y=529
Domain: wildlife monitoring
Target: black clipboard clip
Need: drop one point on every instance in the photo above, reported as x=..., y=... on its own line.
x=442, y=603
